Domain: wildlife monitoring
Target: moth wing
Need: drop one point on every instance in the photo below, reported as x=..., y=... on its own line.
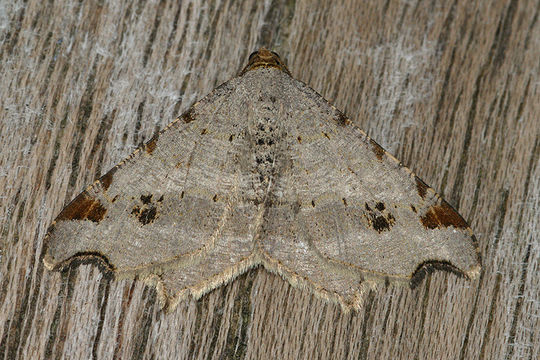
x=349, y=211
x=172, y=203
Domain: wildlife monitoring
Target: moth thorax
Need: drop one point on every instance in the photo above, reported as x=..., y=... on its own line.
x=265, y=135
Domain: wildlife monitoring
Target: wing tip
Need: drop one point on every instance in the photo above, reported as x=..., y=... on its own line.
x=80, y=258
x=428, y=267
x=473, y=272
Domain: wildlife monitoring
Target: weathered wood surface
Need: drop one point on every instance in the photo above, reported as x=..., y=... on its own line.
x=449, y=87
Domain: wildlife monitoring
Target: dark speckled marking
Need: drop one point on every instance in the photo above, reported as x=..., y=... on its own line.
x=421, y=187
x=84, y=207
x=188, y=117
x=377, y=150
x=296, y=206
x=342, y=119
x=378, y=220
x=380, y=223
x=147, y=215
x=442, y=215
x=144, y=215
x=146, y=199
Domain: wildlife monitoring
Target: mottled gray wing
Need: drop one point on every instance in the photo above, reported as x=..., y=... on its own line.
x=172, y=204
x=347, y=211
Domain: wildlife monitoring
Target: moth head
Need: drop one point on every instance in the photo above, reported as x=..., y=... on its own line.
x=264, y=58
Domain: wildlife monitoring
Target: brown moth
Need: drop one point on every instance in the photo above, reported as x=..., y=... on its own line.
x=263, y=171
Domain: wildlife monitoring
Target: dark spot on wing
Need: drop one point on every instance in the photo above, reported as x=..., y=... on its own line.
x=144, y=215
x=377, y=150
x=204, y=131
x=342, y=119
x=214, y=198
x=299, y=139
x=147, y=215
x=413, y=208
x=188, y=116
x=231, y=138
x=421, y=187
x=379, y=219
x=344, y=201
x=296, y=206
x=83, y=207
x=313, y=203
x=182, y=195
x=146, y=199
x=147, y=211
x=326, y=135
x=114, y=198
x=443, y=215
x=380, y=223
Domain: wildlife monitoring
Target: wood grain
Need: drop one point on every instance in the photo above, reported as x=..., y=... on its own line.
x=449, y=87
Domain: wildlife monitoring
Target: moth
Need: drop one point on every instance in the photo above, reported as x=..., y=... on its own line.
x=263, y=171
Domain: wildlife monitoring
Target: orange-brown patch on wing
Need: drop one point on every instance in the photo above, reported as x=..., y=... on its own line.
x=443, y=215
x=421, y=187
x=106, y=180
x=151, y=145
x=84, y=207
x=377, y=150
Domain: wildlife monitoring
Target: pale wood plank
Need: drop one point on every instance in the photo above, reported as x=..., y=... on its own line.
x=450, y=88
